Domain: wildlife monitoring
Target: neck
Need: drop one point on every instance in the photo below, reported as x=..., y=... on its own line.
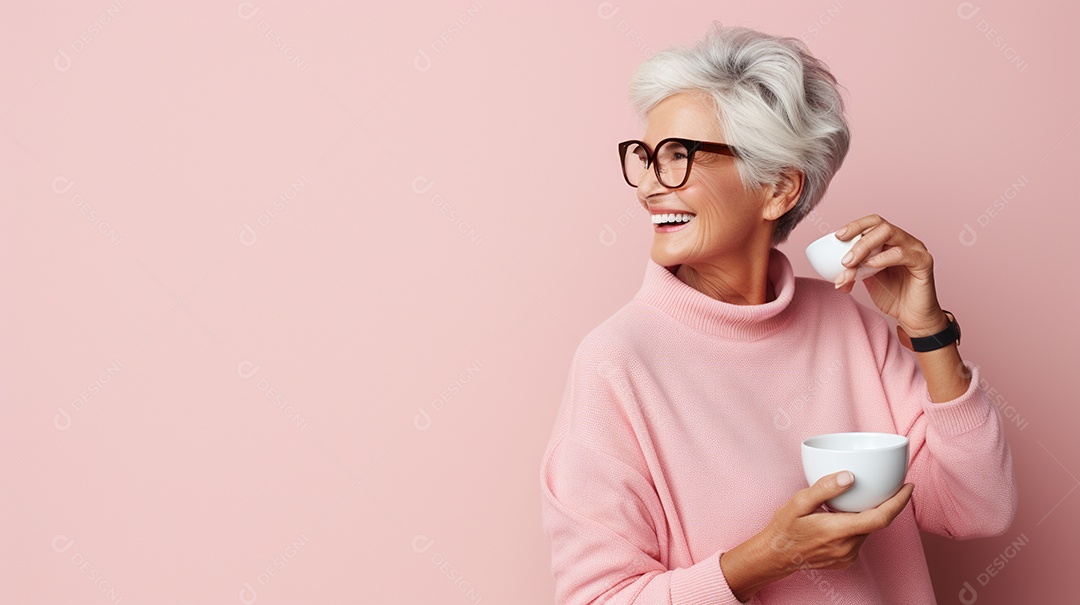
x=732, y=281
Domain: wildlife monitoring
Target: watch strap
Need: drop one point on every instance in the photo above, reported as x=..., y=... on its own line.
x=923, y=344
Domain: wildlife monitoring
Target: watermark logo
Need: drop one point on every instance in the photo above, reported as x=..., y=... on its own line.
x=62, y=61
x=815, y=218
x=995, y=397
x=968, y=235
x=606, y=11
x=818, y=24
x=248, y=593
x=608, y=235
x=61, y=544
x=966, y=11
x=968, y=593
x=248, y=236
x=421, y=185
x=422, y=62
x=422, y=419
x=62, y=419
x=247, y=10
x=782, y=419
x=247, y=369
x=61, y=185
x=781, y=544
x=421, y=544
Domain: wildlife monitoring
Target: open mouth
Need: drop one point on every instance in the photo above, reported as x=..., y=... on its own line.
x=669, y=221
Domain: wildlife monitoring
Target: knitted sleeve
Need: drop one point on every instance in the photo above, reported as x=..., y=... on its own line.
x=959, y=460
x=602, y=512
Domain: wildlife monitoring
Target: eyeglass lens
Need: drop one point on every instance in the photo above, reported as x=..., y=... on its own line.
x=671, y=157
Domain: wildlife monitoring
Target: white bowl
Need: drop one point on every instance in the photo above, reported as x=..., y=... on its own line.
x=826, y=252
x=878, y=460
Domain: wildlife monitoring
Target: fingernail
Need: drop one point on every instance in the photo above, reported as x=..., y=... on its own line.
x=841, y=232
x=839, y=280
x=847, y=257
x=844, y=478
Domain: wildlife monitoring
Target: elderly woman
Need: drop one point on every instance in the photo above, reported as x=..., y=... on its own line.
x=673, y=473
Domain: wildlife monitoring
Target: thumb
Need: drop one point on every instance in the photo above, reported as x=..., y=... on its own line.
x=827, y=487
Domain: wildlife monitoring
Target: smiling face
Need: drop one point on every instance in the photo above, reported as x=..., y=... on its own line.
x=727, y=220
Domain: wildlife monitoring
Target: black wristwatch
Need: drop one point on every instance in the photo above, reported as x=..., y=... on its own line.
x=944, y=338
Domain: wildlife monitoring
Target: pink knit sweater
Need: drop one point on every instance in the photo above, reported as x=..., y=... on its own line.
x=679, y=434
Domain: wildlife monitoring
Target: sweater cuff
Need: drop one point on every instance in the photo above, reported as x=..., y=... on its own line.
x=703, y=583
x=962, y=414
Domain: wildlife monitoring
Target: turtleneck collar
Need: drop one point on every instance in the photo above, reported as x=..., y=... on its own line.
x=663, y=290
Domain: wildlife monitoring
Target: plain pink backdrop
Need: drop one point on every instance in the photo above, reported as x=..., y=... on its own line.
x=290, y=291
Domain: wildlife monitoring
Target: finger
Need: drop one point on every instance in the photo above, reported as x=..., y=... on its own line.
x=809, y=499
x=858, y=226
x=917, y=261
x=878, y=237
x=882, y=515
x=886, y=258
x=845, y=282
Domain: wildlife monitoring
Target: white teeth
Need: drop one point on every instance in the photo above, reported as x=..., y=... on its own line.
x=671, y=218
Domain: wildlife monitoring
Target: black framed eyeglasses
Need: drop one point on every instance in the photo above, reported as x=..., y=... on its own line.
x=672, y=160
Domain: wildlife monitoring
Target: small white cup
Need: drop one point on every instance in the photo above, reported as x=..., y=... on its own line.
x=879, y=462
x=826, y=252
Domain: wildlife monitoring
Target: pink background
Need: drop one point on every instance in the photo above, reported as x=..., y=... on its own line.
x=290, y=291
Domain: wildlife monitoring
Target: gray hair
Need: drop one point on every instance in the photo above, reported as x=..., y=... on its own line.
x=777, y=104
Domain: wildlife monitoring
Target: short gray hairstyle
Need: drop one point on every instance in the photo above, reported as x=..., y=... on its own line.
x=776, y=104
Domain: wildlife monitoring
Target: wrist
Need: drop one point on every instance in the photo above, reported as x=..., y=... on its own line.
x=751, y=566
x=929, y=329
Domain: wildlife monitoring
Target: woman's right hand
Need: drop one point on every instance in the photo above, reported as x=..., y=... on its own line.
x=801, y=535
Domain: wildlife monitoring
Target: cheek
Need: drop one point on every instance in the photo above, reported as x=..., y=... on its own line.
x=721, y=197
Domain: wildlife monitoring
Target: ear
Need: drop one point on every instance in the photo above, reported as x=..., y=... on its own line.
x=782, y=196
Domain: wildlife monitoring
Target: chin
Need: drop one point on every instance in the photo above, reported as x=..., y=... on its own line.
x=667, y=258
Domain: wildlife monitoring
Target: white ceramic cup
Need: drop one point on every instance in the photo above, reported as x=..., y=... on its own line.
x=879, y=462
x=826, y=252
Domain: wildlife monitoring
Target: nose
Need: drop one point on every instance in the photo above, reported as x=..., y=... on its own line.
x=649, y=185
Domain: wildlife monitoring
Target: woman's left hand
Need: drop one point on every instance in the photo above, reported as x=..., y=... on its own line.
x=904, y=289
